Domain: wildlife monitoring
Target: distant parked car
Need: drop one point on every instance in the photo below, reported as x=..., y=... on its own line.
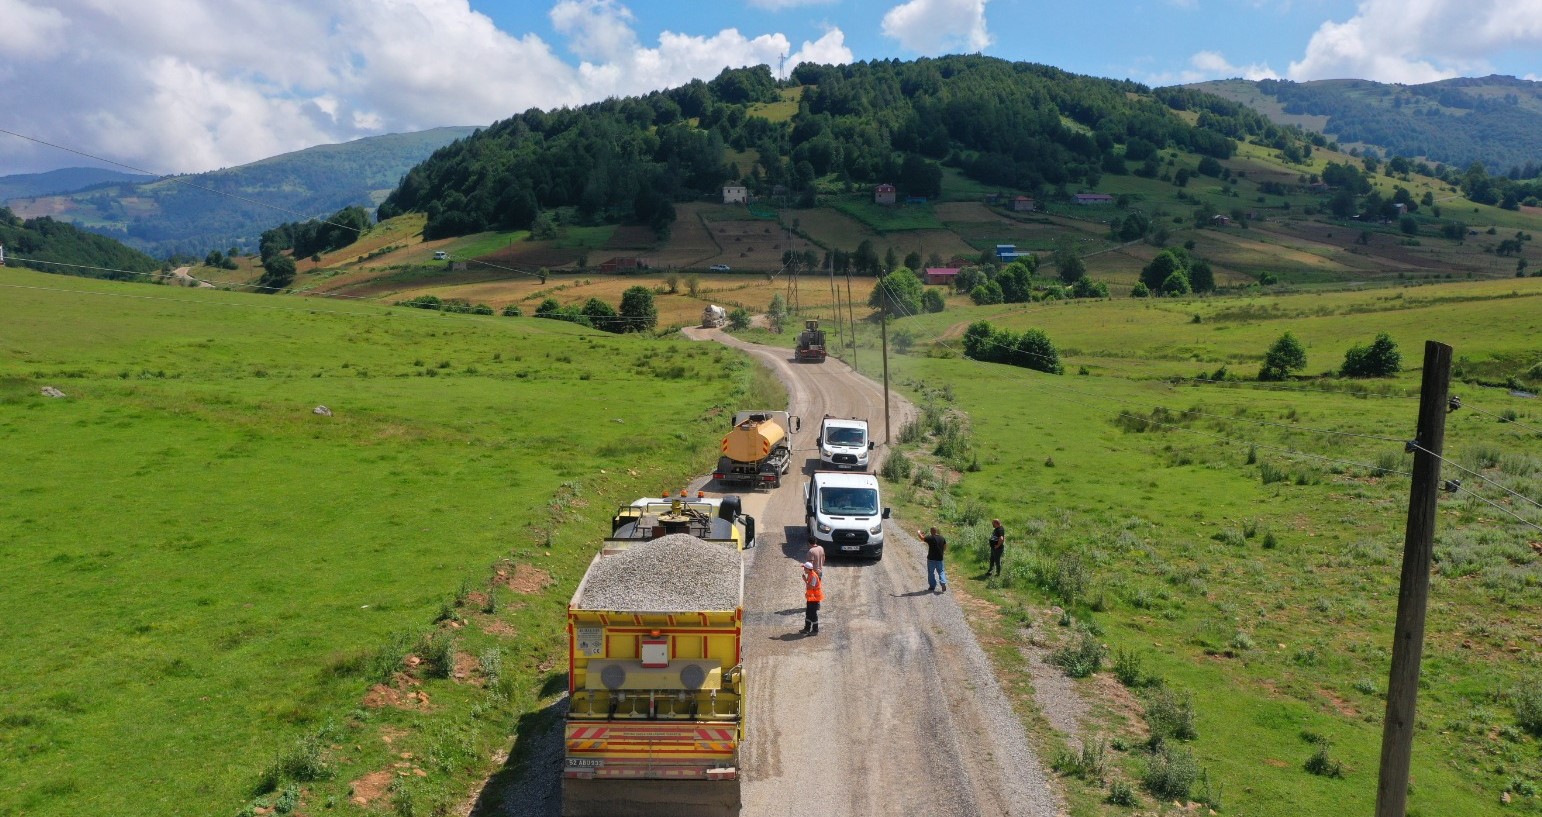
x=719, y=268
x=440, y=255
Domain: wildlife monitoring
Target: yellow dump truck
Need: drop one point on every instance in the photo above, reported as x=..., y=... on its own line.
x=655, y=681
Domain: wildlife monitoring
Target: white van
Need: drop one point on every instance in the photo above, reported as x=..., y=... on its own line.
x=845, y=513
x=844, y=443
x=440, y=255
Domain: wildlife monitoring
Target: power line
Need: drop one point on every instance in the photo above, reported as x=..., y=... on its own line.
x=1457, y=403
x=1458, y=466
x=1272, y=387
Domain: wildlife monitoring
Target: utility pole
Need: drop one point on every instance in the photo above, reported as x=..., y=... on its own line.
x=888, y=433
x=851, y=311
x=1414, y=588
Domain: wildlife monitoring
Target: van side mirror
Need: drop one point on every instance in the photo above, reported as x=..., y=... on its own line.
x=870, y=445
x=886, y=512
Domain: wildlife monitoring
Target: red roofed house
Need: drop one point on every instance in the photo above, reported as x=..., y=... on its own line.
x=1022, y=204
x=883, y=194
x=941, y=276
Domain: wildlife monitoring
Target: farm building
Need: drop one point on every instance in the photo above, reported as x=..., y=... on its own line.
x=883, y=194
x=736, y=194
x=1092, y=198
x=941, y=276
x=1022, y=204
x=1007, y=253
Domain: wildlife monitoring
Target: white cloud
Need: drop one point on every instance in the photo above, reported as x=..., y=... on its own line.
x=29, y=31
x=1208, y=65
x=1415, y=41
x=935, y=27
x=594, y=28
x=152, y=85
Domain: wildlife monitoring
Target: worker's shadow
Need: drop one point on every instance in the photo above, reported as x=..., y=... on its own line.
x=922, y=592
x=794, y=616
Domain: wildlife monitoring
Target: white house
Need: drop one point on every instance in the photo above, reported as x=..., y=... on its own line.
x=736, y=194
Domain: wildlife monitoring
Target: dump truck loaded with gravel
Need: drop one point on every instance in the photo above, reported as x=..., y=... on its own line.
x=655, y=677
x=757, y=450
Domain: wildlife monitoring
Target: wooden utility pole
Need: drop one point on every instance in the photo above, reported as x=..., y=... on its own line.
x=851, y=319
x=1414, y=589
x=888, y=433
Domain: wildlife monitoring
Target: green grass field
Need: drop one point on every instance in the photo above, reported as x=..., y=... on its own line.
x=204, y=577
x=1243, y=543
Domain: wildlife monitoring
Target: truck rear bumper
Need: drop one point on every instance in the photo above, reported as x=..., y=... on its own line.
x=650, y=798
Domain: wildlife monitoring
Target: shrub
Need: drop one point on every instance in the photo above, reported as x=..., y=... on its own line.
x=1080, y=659
x=385, y=663
x=1171, y=773
x=1527, y=700
x=1091, y=764
x=1321, y=764
x=1170, y=716
x=1120, y=794
x=897, y=468
x=438, y=654
x=1130, y=669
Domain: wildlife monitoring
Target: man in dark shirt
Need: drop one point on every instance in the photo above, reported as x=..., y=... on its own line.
x=998, y=543
x=936, y=548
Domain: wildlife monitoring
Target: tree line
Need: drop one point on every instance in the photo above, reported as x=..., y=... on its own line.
x=1022, y=125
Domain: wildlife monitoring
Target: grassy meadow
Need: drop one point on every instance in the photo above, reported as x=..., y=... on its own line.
x=213, y=591
x=1242, y=542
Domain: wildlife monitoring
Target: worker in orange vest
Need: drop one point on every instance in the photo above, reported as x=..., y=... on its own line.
x=813, y=593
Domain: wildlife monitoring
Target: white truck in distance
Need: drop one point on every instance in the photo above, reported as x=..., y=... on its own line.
x=844, y=444
x=845, y=513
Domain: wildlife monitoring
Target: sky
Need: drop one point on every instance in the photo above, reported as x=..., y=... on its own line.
x=184, y=86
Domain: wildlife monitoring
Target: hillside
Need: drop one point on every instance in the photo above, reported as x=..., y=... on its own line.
x=1019, y=126
x=231, y=207
x=1495, y=120
x=63, y=181
x=59, y=247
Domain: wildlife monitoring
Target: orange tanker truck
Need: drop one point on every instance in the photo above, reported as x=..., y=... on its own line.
x=757, y=450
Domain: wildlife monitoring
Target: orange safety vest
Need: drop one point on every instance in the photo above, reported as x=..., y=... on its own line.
x=813, y=586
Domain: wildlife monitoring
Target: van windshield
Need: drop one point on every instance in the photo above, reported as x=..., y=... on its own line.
x=849, y=501
x=846, y=436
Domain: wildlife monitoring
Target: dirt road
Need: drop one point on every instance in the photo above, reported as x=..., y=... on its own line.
x=893, y=708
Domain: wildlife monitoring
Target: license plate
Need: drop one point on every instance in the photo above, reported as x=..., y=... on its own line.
x=851, y=547
x=585, y=761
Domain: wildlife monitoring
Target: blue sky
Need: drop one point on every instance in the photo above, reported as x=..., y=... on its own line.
x=193, y=85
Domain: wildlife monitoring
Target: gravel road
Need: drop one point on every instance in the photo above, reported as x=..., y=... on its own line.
x=893, y=708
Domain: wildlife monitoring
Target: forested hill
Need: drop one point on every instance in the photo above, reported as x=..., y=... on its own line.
x=1016, y=126
x=63, y=180
x=1495, y=120
x=33, y=242
x=224, y=208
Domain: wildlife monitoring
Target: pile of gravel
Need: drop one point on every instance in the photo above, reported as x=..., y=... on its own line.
x=673, y=573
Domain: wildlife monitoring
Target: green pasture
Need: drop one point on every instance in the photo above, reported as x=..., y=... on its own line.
x=884, y=218
x=203, y=575
x=1243, y=541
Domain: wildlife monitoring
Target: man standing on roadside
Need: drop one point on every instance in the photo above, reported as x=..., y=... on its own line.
x=936, y=548
x=998, y=545
x=813, y=594
x=816, y=554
